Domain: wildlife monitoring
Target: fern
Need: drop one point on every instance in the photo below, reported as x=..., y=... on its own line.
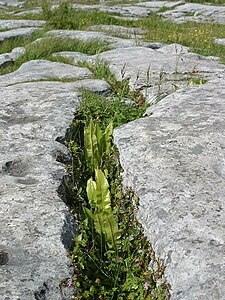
x=105, y=222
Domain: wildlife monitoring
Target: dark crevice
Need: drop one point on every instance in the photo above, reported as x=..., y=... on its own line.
x=41, y=294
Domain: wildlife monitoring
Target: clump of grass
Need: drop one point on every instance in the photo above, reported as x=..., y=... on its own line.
x=44, y=49
x=9, y=44
x=108, y=109
x=65, y=17
x=120, y=88
x=49, y=45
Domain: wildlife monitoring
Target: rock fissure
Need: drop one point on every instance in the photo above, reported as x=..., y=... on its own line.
x=173, y=158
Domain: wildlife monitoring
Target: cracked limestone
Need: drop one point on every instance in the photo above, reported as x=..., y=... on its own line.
x=43, y=70
x=11, y=24
x=36, y=225
x=7, y=58
x=15, y=33
x=174, y=160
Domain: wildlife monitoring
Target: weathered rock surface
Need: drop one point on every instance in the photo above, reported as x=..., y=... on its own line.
x=42, y=70
x=130, y=32
x=161, y=71
x=11, y=24
x=174, y=160
x=15, y=33
x=36, y=226
x=9, y=3
x=220, y=41
x=8, y=58
x=114, y=42
x=74, y=56
x=197, y=13
x=34, y=11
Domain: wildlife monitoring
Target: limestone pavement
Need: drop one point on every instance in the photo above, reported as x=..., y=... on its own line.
x=173, y=158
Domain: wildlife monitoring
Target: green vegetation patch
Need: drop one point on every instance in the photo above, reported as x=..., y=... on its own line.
x=199, y=37
x=111, y=255
x=65, y=17
x=9, y=44
x=44, y=48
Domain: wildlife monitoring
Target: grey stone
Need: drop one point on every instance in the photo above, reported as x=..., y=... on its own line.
x=126, y=18
x=36, y=225
x=14, y=33
x=10, y=24
x=9, y=3
x=128, y=10
x=160, y=4
x=131, y=32
x=159, y=71
x=35, y=11
x=197, y=13
x=174, y=161
x=124, y=10
x=114, y=42
x=44, y=69
x=78, y=34
x=8, y=58
x=220, y=41
x=74, y=56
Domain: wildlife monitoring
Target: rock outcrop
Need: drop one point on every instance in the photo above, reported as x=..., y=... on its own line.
x=173, y=157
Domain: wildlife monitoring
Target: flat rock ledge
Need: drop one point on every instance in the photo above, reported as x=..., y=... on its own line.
x=36, y=225
x=174, y=160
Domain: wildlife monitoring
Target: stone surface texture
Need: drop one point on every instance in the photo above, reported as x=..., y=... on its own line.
x=197, y=13
x=15, y=33
x=43, y=69
x=11, y=24
x=173, y=157
x=7, y=58
x=36, y=226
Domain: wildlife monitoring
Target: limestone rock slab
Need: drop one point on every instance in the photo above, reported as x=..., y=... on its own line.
x=174, y=159
x=158, y=71
x=11, y=24
x=161, y=4
x=36, y=225
x=34, y=11
x=8, y=58
x=124, y=10
x=44, y=69
x=196, y=12
x=131, y=32
x=11, y=3
x=114, y=42
x=15, y=33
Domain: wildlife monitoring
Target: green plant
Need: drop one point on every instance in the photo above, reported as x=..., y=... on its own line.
x=111, y=255
x=66, y=17
x=97, y=145
x=44, y=48
x=199, y=37
x=46, y=9
x=105, y=222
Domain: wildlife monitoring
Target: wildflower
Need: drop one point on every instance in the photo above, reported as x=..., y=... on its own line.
x=146, y=286
x=70, y=283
